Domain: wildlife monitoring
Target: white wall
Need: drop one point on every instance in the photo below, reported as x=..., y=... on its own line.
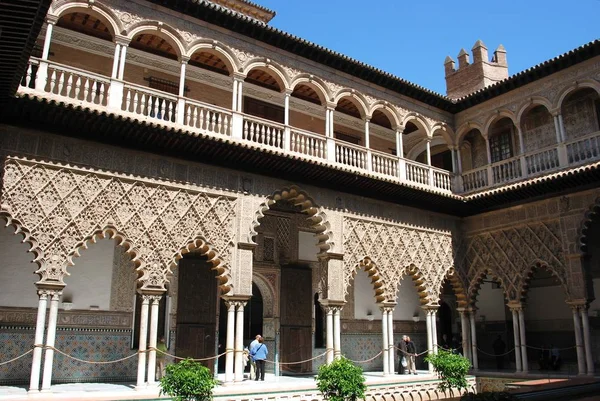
x=491, y=302
x=307, y=246
x=90, y=281
x=17, y=285
x=546, y=303
x=364, y=299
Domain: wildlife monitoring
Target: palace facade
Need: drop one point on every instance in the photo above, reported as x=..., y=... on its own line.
x=184, y=170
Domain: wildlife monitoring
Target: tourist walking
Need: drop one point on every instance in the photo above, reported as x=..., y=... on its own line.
x=411, y=351
x=403, y=356
x=259, y=355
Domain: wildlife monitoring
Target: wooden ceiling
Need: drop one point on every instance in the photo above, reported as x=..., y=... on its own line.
x=346, y=105
x=263, y=78
x=379, y=118
x=86, y=24
x=150, y=43
x=209, y=61
x=307, y=93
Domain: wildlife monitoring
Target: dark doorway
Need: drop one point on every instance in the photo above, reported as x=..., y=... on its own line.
x=445, y=323
x=196, y=309
x=253, y=316
x=296, y=317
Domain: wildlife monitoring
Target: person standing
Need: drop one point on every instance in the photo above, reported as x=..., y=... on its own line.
x=499, y=347
x=161, y=351
x=403, y=356
x=253, y=344
x=259, y=354
x=411, y=351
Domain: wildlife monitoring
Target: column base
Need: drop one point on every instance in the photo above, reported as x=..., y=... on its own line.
x=46, y=391
x=141, y=387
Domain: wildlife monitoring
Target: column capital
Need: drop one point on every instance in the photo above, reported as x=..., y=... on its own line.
x=122, y=40
x=555, y=112
x=387, y=308
x=288, y=92
x=515, y=306
x=184, y=59
x=238, y=76
x=578, y=304
x=400, y=128
x=51, y=19
x=330, y=106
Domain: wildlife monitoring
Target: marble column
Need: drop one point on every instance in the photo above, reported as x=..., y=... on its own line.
x=229, y=342
x=122, y=61
x=517, y=337
x=428, y=152
x=234, y=96
x=329, y=331
x=116, y=56
x=50, y=341
x=464, y=327
x=525, y=363
x=286, y=108
x=474, y=359
x=38, y=342
x=337, y=328
x=182, y=77
x=384, y=334
x=399, y=142
x=239, y=342
x=391, y=353
x=428, y=317
x=154, y=308
x=47, y=39
x=141, y=373
x=578, y=340
x=589, y=360
x=240, y=96
x=434, y=336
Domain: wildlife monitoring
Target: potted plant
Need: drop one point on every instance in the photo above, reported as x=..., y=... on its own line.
x=341, y=380
x=188, y=381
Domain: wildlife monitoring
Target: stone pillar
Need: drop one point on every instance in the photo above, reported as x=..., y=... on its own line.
x=578, y=340
x=399, y=141
x=234, y=95
x=327, y=116
x=589, y=360
x=473, y=339
x=122, y=62
x=561, y=125
x=557, y=128
x=240, y=96
x=286, y=104
x=459, y=160
x=524, y=358
x=154, y=304
x=329, y=331
x=337, y=331
x=331, y=125
x=517, y=337
x=141, y=373
x=38, y=342
x=42, y=72
x=464, y=326
x=229, y=343
x=239, y=342
x=521, y=140
x=391, y=353
x=428, y=317
x=428, y=152
x=384, y=334
x=182, y=77
x=115, y=66
x=48, y=39
x=367, y=135
x=50, y=340
x=434, y=336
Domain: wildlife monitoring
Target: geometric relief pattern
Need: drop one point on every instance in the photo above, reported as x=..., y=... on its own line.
x=396, y=251
x=512, y=254
x=58, y=209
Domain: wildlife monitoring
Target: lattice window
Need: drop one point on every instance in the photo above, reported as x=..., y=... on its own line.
x=269, y=249
x=501, y=146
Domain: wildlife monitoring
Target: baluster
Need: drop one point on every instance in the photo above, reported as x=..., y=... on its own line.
x=77, y=88
x=337, y=154
x=69, y=85
x=218, y=123
x=170, y=111
x=227, y=128
x=293, y=139
x=136, y=100
x=128, y=100
x=245, y=130
x=188, y=116
x=61, y=83
x=52, y=81
x=86, y=89
x=102, y=92
x=28, y=75
x=143, y=105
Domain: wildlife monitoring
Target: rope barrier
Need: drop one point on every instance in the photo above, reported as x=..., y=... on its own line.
x=488, y=354
x=94, y=362
x=16, y=358
x=210, y=358
x=298, y=362
x=367, y=360
x=419, y=354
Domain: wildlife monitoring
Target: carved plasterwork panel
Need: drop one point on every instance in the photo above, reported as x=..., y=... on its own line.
x=123, y=281
x=396, y=250
x=61, y=208
x=510, y=254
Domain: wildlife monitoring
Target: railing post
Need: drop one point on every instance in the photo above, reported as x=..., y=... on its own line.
x=115, y=94
x=41, y=77
x=563, y=159
x=369, y=160
x=237, y=125
x=490, y=175
x=458, y=183
x=331, y=150
x=402, y=169
x=430, y=173
x=523, y=161
x=180, y=119
x=287, y=138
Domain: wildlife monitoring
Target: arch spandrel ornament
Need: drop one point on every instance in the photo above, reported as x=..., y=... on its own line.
x=398, y=250
x=63, y=208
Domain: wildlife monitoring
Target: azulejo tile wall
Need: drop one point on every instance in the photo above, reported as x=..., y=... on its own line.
x=15, y=341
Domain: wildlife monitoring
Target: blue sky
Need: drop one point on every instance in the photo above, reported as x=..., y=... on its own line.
x=411, y=38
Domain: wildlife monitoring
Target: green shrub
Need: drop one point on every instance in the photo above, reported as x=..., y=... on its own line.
x=488, y=396
x=452, y=369
x=341, y=380
x=187, y=381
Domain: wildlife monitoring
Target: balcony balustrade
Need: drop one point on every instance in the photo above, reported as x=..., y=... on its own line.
x=53, y=80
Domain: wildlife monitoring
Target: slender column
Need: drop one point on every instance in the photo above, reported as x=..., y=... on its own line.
x=182, y=78
x=464, y=326
x=517, y=338
x=229, y=344
x=428, y=152
x=557, y=128
x=525, y=365
x=521, y=140
x=459, y=160
x=327, y=134
x=331, y=126
x=154, y=303
x=367, y=135
x=489, y=151
x=579, y=341
x=473, y=339
x=240, y=95
x=587, y=341
x=329, y=323
x=286, y=115
x=36, y=363
x=399, y=142
x=384, y=333
x=561, y=125
x=47, y=40
x=391, y=354
x=239, y=342
x=454, y=165
x=115, y=67
x=141, y=373
x=337, y=327
x=428, y=316
x=434, y=342
x=50, y=340
x=122, y=62
x=234, y=95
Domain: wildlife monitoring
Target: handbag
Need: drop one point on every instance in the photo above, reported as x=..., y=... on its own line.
x=403, y=362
